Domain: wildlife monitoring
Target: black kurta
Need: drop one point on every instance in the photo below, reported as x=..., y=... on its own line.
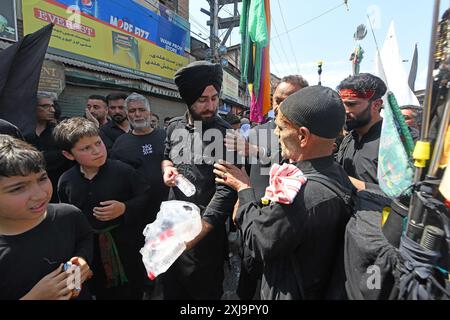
x=297, y=239
x=27, y=257
x=198, y=272
x=360, y=158
x=115, y=180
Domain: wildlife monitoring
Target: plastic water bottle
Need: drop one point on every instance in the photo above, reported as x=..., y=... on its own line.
x=159, y=259
x=185, y=185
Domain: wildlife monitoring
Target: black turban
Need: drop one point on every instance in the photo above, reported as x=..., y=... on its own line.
x=192, y=80
x=320, y=109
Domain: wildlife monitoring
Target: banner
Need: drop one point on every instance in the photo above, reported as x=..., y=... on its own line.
x=8, y=21
x=109, y=34
x=134, y=18
x=20, y=68
x=230, y=86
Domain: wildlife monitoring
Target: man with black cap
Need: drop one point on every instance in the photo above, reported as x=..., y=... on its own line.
x=298, y=234
x=198, y=272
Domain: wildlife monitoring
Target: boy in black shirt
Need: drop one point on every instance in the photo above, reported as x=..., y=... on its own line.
x=36, y=237
x=113, y=198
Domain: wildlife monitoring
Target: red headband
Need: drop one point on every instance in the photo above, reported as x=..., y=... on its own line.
x=350, y=93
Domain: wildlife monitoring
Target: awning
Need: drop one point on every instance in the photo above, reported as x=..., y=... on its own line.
x=84, y=65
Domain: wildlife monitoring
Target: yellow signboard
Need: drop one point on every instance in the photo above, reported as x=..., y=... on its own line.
x=83, y=37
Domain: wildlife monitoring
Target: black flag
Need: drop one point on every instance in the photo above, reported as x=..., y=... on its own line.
x=413, y=70
x=20, y=68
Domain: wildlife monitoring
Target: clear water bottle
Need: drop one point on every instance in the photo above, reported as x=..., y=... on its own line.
x=159, y=257
x=185, y=185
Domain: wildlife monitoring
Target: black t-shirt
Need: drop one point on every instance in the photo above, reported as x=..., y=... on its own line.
x=26, y=258
x=145, y=154
x=115, y=180
x=360, y=158
x=109, y=133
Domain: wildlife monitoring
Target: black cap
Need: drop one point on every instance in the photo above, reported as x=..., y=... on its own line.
x=318, y=108
x=192, y=79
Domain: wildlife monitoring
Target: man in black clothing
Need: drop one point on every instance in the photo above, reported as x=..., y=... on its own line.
x=297, y=241
x=97, y=110
x=263, y=151
x=43, y=140
x=198, y=272
x=113, y=197
x=119, y=124
x=358, y=153
x=143, y=149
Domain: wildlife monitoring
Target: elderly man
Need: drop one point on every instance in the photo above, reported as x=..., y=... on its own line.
x=143, y=148
x=263, y=151
x=298, y=232
x=198, y=272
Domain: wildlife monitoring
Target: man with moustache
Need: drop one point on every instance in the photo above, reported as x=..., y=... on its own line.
x=143, y=149
x=198, y=272
x=43, y=140
x=119, y=124
x=358, y=153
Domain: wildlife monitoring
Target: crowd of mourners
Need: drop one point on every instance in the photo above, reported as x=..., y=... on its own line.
x=76, y=194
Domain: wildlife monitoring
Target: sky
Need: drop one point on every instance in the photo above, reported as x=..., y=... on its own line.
x=303, y=33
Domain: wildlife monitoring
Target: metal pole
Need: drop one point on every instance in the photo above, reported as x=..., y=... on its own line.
x=427, y=105
x=434, y=164
x=428, y=93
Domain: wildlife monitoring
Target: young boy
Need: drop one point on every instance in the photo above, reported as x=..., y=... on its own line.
x=37, y=238
x=113, y=198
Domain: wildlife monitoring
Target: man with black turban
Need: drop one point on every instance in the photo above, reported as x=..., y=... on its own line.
x=298, y=234
x=194, y=143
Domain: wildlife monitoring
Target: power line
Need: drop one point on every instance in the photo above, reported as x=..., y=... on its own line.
x=289, y=38
x=312, y=19
x=281, y=43
x=275, y=67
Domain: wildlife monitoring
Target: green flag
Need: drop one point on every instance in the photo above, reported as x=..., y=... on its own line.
x=395, y=168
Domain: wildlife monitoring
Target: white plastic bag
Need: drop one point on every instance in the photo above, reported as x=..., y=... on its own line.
x=177, y=222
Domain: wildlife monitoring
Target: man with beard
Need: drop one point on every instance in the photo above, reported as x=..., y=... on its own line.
x=194, y=143
x=358, y=153
x=97, y=110
x=43, y=140
x=119, y=124
x=143, y=149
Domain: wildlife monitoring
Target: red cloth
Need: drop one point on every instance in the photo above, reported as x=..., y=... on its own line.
x=285, y=182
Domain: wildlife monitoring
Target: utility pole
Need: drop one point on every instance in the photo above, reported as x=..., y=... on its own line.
x=214, y=7
x=216, y=23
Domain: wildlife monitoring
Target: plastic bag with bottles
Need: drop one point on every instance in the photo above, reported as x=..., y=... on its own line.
x=177, y=222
